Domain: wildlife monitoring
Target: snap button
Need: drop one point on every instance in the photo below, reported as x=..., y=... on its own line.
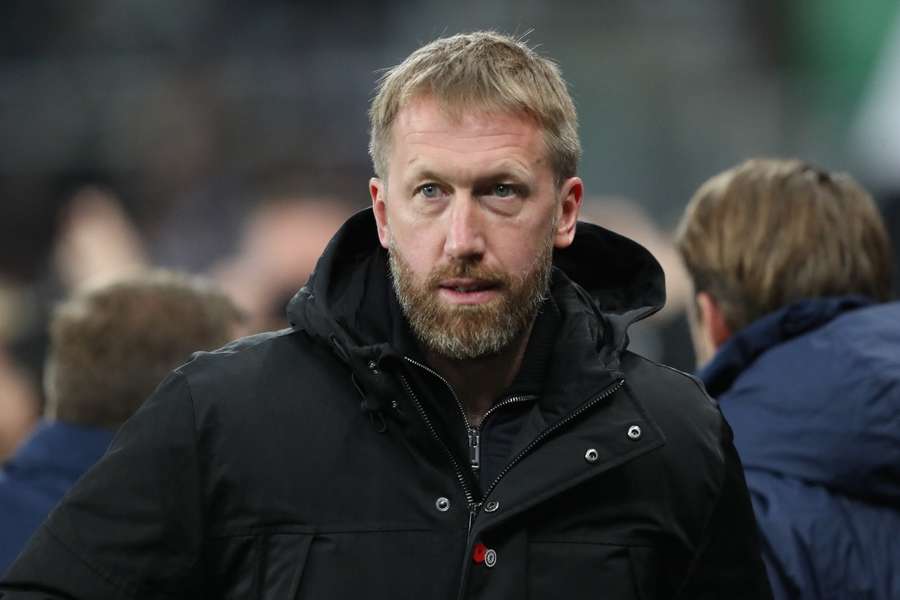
x=373, y=366
x=491, y=506
x=634, y=432
x=442, y=504
x=591, y=455
x=490, y=558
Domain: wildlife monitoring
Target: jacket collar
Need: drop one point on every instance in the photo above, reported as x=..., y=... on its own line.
x=349, y=293
x=601, y=284
x=743, y=348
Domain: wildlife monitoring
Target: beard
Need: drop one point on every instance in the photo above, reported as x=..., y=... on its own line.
x=466, y=331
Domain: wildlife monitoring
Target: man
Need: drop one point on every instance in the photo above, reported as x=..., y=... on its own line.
x=110, y=346
x=789, y=263
x=450, y=415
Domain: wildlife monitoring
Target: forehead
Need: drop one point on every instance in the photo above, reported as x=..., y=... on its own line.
x=426, y=125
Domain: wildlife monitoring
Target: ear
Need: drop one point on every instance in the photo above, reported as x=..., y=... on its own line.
x=712, y=320
x=571, y=193
x=378, y=191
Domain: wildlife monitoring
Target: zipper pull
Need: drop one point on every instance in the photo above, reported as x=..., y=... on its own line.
x=473, y=512
x=474, y=449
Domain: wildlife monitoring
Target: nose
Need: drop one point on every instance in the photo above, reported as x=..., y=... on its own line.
x=465, y=236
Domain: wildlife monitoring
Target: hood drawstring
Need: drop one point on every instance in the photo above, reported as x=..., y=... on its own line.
x=376, y=416
x=371, y=403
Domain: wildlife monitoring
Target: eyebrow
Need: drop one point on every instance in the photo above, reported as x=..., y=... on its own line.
x=501, y=174
x=424, y=174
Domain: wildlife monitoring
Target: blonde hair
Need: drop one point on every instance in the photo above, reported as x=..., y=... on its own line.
x=487, y=70
x=770, y=232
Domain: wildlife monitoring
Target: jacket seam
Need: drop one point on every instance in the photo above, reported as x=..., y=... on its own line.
x=693, y=379
x=590, y=543
x=707, y=524
x=200, y=497
x=120, y=585
x=263, y=531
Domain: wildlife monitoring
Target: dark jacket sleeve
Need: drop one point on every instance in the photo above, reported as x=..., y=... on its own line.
x=132, y=526
x=728, y=565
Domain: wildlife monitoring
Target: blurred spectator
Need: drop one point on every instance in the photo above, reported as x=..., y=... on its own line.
x=97, y=241
x=18, y=405
x=791, y=268
x=279, y=247
x=81, y=234
x=110, y=346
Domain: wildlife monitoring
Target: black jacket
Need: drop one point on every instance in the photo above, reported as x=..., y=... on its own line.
x=318, y=462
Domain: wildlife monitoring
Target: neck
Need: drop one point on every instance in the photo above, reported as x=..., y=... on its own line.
x=478, y=382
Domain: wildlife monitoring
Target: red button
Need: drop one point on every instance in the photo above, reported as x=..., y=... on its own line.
x=478, y=554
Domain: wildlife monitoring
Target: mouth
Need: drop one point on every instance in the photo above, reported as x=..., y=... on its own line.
x=468, y=291
x=467, y=285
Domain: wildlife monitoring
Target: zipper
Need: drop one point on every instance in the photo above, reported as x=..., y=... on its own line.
x=474, y=448
x=501, y=404
x=459, y=404
x=473, y=434
x=475, y=431
x=460, y=476
x=606, y=393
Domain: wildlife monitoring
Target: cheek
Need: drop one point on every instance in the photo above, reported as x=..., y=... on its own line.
x=411, y=249
x=518, y=247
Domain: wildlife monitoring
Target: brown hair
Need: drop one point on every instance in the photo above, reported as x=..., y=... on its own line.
x=112, y=345
x=770, y=232
x=484, y=69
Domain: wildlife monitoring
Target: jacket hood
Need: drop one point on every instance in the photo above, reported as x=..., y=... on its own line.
x=349, y=297
x=813, y=392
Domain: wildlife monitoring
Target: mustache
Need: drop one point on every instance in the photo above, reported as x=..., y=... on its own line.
x=468, y=270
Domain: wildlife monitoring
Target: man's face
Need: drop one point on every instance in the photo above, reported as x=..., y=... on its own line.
x=470, y=213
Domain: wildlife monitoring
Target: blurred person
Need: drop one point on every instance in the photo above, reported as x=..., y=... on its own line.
x=281, y=241
x=29, y=225
x=78, y=234
x=97, y=241
x=791, y=268
x=110, y=347
x=453, y=412
x=18, y=404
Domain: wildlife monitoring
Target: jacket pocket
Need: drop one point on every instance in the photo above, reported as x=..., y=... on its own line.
x=283, y=559
x=263, y=566
x=588, y=570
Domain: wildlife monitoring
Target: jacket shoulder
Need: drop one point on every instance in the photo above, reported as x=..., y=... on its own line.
x=265, y=373
x=678, y=403
x=667, y=389
x=248, y=358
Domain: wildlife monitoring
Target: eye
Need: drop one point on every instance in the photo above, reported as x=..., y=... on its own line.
x=429, y=190
x=503, y=190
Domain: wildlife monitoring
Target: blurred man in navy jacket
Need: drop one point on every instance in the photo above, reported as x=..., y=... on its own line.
x=791, y=266
x=110, y=347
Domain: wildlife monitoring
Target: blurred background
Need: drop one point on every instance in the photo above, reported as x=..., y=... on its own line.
x=230, y=138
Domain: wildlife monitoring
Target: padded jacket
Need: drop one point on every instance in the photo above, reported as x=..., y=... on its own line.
x=317, y=462
x=813, y=393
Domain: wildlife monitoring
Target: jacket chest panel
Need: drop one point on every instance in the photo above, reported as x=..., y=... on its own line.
x=603, y=538
x=326, y=466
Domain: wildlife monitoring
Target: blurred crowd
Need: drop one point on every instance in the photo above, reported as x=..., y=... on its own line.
x=88, y=236
x=178, y=186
